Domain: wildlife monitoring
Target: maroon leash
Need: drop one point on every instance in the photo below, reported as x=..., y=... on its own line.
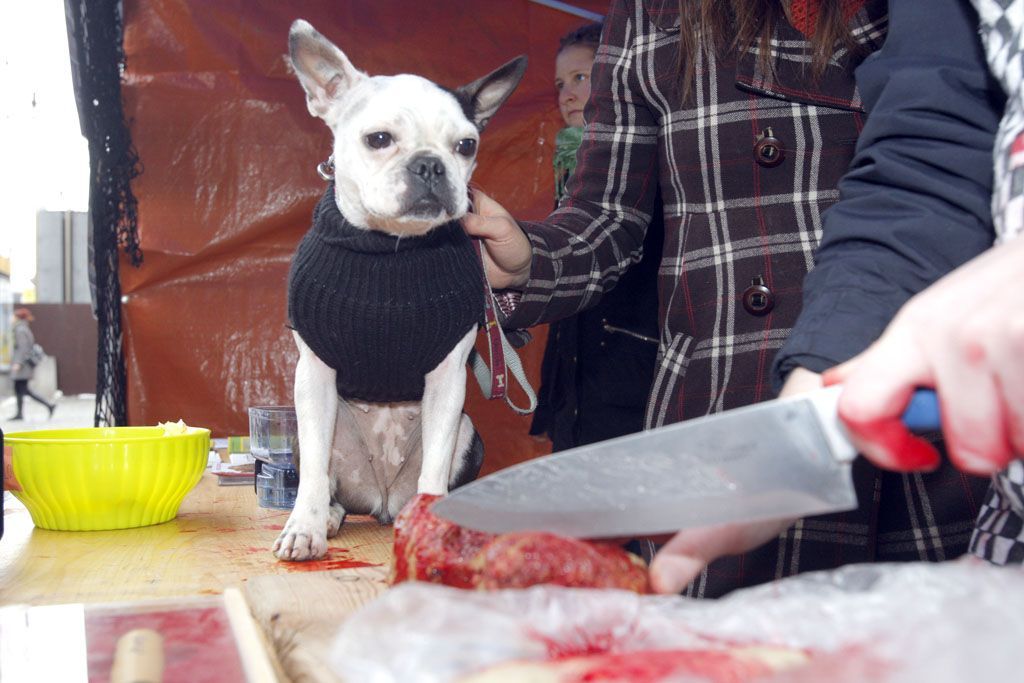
x=493, y=330
x=494, y=380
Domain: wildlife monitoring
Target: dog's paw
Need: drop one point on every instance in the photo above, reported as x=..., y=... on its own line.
x=300, y=542
x=335, y=517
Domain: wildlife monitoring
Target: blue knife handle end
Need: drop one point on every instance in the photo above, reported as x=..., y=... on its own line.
x=922, y=413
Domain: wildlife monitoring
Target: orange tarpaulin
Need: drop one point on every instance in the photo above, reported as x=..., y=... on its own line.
x=229, y=183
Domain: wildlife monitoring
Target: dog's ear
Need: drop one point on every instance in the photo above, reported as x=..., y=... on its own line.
x=486, y=94
x=323, y=70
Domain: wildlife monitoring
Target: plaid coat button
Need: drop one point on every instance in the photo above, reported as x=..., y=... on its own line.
x=757, y=298
x=768, y=149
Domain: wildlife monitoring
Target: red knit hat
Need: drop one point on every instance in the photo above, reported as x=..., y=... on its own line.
x=804, y=14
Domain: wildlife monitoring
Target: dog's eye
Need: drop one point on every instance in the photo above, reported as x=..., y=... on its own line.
x=378, y=140
x=466, y=147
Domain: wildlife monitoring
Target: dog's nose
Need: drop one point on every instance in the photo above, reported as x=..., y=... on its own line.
x=427, y=168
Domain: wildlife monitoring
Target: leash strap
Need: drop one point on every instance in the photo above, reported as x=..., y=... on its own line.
x=493, y=380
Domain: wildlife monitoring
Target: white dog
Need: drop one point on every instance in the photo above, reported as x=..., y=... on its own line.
x=385, y=293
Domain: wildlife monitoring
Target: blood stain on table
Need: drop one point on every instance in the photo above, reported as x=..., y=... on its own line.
x=337, y=558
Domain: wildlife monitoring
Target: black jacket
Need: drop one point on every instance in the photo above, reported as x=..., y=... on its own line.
x=598, y=365
x=915, y=203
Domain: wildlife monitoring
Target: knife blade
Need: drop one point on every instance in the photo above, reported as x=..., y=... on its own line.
x=778, y=459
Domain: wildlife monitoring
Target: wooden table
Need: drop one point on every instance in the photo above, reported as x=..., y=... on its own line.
x=220, y=539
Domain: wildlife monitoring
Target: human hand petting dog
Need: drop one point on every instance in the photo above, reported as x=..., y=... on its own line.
x=508, y=253
x=964, y=336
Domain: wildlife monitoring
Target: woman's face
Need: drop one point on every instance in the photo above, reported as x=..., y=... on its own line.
x=572, y=81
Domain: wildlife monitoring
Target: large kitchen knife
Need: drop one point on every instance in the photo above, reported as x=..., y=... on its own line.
x=779, y=459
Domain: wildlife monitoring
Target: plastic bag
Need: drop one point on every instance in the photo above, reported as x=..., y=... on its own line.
x=903, y=623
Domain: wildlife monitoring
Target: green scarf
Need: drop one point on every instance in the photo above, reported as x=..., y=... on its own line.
x=566, y=143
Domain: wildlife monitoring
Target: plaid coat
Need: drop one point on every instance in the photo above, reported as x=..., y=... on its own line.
x=741, y=225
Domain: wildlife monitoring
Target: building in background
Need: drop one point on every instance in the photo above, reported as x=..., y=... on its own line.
x=60, y=302
x=62, y=257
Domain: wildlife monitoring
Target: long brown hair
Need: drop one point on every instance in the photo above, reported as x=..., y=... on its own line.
x=753, y=22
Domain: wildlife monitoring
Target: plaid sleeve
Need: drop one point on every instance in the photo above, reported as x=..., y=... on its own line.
x=581, y=249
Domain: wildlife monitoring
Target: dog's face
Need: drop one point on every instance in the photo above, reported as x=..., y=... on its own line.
x=404, y=148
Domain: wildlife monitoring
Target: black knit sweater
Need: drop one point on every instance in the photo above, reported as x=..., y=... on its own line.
x=382, y=311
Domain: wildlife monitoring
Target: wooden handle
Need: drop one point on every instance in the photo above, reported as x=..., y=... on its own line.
x=139, y=658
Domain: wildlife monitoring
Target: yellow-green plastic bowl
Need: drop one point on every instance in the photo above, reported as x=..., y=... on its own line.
x=98, y=478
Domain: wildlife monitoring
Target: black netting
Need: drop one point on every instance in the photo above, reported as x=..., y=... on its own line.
x=97, y=62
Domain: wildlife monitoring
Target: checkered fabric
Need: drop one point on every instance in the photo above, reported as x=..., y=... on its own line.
x=729, y=220
x=1002, y=31
x=999, y=535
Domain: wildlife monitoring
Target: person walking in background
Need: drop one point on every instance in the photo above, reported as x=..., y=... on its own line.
x=22, y=363
x=598, y=364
